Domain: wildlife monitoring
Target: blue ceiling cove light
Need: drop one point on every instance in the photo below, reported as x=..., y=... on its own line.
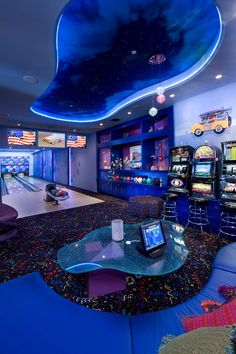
x=97, y=71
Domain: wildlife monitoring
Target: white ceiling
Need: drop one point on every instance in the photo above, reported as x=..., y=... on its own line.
x=27, y=42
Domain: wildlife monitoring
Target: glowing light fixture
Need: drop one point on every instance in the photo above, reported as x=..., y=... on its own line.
x=101, y=124
x=157, y=59
x=219, y=76
x=160, y=90
x=172, y=95
x=153, y=111
x=129, y=113
x=161, y=99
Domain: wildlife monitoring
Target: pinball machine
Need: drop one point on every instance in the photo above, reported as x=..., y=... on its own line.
x=206, y=172
x=180, y=169
x=228, y=176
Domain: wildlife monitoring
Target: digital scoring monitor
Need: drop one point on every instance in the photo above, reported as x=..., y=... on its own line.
x=76, y=141
x=202, y=169
x=50, y=139
x=21, y=137
x=153, y=237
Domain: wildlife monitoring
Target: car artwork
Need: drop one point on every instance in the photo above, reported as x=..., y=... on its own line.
x=52, y=139
x=217, y=120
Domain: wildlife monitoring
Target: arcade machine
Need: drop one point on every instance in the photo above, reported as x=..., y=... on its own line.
x=180, y=169
x=205, y=172
x=228, y=177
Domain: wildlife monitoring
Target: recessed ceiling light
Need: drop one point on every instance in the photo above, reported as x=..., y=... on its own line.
x=219, y=76
x=18, y=124
x=172, y=95
x=134, y=52
x=101, y=124
x=74, y=130
x=30, y=79
x=129, y=112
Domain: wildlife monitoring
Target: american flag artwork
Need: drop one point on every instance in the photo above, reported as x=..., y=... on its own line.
x=21, y=137
x=76, y=141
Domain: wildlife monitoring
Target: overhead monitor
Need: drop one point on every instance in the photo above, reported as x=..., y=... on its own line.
x=76, y=141
x=51, y=139
x=21, y=137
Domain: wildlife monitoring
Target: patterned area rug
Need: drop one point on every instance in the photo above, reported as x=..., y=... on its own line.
x=41, y=236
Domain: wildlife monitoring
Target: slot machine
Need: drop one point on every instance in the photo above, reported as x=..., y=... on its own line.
x=205, y=172
x=180, y=169
x=228, y=176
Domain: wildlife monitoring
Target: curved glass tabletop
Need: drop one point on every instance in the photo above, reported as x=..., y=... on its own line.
x=98, y=251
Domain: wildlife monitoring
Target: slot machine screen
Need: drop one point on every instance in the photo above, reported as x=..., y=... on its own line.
x=202, y=170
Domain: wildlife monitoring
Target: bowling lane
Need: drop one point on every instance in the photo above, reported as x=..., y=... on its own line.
x=14, y=186
x=37, y=182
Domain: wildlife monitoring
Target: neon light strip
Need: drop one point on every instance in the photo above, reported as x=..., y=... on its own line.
x=168, y=84
x=83, y=264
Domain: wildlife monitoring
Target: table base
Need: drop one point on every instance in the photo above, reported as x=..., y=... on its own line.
x=106, y=281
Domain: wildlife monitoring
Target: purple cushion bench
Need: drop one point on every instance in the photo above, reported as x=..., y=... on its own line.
x=44, y=322
x=8, y=226
x=145, y=206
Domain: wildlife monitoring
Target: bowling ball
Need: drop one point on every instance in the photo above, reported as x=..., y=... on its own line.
x=4, y=170
x=53, y=191
x=128, y=179
x=139, y=180
x=143, y=180
x=149, y=180
x=60, y=193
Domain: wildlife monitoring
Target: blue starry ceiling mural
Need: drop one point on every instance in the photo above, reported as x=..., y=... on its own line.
x=113, y=53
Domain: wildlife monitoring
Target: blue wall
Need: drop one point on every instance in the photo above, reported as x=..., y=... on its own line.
x=83, y=166
x=60, y=166
x=47, y=165
x=38, y=164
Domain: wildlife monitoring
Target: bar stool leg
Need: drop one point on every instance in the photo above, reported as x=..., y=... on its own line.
x=201, y=220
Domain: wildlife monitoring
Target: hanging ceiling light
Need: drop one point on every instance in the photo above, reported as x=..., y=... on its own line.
x=160, y=90
x=153, y=111
x=161, y=99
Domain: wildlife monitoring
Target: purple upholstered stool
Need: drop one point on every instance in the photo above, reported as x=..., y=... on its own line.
x=8, y=226
x=145, y=206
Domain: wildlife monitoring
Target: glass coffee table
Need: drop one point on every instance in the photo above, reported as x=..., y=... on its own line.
x=112, y=260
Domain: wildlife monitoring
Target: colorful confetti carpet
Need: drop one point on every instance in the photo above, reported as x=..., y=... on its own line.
x=41, y=236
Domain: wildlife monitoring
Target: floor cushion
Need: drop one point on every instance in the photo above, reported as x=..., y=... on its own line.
x=36, y=320
x=208, y=340
x=225, y=315
x=224, y=258
x=229, y=292
x=145, y=206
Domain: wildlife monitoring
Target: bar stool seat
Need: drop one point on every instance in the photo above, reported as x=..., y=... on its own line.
x=198, y=214
x=169, y=207
x=228, y=219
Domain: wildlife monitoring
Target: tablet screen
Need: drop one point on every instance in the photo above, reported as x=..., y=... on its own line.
x=153, y=236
